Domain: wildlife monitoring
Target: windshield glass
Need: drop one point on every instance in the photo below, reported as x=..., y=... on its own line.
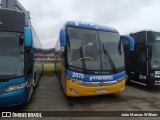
x=11, y=60
x=155, y=50
x=110, y=42
x=91, y=46
x=88, y=40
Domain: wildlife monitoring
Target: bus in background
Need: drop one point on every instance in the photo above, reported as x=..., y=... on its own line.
x=143, y=64
x=89, y=59
x=19, y=73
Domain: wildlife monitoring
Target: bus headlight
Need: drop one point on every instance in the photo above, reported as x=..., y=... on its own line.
x=73, y=91
x=15, y=87
x=80, y=82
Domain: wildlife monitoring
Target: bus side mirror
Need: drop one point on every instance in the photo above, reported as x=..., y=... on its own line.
x=130, y=41
x=27, y=37
x=62, y=37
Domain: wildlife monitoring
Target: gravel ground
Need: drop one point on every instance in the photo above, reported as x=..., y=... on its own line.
x=48, y=96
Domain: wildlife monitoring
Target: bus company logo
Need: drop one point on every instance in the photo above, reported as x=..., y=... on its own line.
x=101, y=72
x=21, y=115
x=157, y=37
x=101, y=78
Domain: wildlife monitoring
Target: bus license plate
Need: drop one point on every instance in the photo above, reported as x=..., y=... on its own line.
x=101, y=91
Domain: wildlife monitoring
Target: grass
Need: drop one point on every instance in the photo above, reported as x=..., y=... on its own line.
x=48, y=68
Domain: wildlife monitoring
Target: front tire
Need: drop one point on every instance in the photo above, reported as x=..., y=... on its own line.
x=128, y=82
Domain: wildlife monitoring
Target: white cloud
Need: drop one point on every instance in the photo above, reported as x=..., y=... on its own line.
x=48, y=16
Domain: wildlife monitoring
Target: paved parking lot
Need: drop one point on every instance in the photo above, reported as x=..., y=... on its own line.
x=49, y=96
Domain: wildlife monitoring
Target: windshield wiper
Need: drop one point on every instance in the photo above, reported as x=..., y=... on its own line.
x=120, y=47
x=83, y=60
x=21, y=44
x=68, y=41
x=111, y=63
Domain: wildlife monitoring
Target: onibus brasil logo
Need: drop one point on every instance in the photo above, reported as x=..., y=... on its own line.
x=21, y=115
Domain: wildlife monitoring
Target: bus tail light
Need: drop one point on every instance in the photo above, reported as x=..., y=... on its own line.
x=15, y=87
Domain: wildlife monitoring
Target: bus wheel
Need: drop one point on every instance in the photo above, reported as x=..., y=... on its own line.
x=128, y=82
x=148, y=86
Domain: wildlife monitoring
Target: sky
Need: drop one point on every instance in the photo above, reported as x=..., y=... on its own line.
x=49, y=16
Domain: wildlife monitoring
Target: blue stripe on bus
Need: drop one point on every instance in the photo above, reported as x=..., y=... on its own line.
x=95, y=78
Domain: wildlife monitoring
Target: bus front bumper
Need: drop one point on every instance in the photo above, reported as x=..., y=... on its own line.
x=14, y=98
x=75, y=90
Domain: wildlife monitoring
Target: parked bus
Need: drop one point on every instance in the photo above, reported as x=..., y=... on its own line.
x=143, y=64
x=19, y=73
x=89, y=59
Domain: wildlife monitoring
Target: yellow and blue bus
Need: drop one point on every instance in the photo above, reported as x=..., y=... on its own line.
x=89, y=59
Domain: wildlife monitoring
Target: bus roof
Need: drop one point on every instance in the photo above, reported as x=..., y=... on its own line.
x=90, y=26
x=143, y=30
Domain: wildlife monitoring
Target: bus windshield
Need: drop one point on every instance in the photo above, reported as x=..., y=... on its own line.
x=155, y=50
x=11, y=59
x=100, y=49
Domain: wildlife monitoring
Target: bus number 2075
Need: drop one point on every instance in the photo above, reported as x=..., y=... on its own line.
x=77, y=75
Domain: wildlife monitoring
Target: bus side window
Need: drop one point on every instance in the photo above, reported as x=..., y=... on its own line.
x=133, y=54
x=142, y=50
x=141, y=56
